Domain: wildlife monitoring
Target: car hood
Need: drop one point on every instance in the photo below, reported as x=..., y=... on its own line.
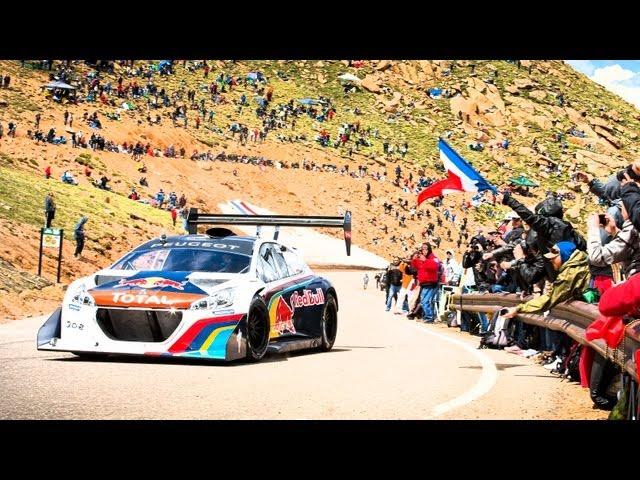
x=153, y=289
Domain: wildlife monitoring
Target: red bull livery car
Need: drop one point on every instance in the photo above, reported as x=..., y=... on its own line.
x=211, y=296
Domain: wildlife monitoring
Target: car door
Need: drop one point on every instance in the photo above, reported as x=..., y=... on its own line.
x=269, y=270
x=304, y=292
x=282, y=287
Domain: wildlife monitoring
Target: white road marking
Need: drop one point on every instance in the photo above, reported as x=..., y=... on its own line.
x=487, y=379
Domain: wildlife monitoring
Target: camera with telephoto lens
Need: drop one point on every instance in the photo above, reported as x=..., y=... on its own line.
x=629, y=171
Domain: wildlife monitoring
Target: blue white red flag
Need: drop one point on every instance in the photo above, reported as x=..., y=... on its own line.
x=461, y=177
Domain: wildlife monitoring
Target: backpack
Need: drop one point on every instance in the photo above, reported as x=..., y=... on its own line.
x=452, y=318
x=570, y=367
x=497, y=336
x=441, y=276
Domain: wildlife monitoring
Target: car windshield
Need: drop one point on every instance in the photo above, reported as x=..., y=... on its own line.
x=185, y=260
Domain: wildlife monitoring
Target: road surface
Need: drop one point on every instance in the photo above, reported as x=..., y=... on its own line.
x=383, y=366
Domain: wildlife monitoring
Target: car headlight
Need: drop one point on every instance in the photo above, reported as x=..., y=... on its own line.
x=221, y=299
x=82, y=298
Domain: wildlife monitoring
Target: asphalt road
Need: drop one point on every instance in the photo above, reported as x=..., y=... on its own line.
x=383, y=366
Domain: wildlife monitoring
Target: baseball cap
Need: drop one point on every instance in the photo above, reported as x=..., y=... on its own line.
x=564, y=249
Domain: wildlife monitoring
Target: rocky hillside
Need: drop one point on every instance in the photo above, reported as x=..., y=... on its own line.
x=554, y=118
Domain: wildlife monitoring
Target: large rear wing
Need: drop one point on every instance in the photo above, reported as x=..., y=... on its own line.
x=195, y=218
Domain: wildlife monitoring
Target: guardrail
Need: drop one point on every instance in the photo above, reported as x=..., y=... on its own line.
x=571, y=317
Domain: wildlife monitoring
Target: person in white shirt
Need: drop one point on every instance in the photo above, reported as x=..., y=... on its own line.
x=452, y=269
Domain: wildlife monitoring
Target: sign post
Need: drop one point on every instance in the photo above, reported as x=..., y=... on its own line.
x=50, y=238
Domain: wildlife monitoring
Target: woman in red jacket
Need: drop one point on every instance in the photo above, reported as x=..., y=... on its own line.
x=428, y=267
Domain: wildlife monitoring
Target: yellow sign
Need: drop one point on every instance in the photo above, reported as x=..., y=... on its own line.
x=51, y=238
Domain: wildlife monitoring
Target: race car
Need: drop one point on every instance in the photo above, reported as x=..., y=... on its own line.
x=215, y=296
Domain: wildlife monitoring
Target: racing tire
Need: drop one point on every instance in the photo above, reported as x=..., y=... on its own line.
x=257, y=331
x=329, y=324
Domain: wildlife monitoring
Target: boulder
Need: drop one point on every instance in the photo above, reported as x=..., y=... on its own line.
x=539, y=95
x=543, y=122
x=601, y=123
x=383, y=65
x=495, y=119
x=512, y=89
x=370, y=84
x=608, y=137
x=523, y=83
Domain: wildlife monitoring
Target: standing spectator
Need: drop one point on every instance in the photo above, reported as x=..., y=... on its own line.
x=160, y=198
x=6, y=81
x=402, y=304
x=66, y=116
x=47, y=172
x=70, y=120
x=365, y=281
x=184, y=214
x=394, y=281
x=452, y=269
x=49, y=209
x=79, y=236
x=428, y=267
x=1, y=131
x=174, y=215
x=37, y=121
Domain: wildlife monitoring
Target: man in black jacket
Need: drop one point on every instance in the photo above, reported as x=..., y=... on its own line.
x=630, y=195
x=49, y=209
x=394, y=281
x=527, y=267
x=548, y=224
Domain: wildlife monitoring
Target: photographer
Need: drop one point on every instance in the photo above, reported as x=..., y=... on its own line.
x=609, y=192
x=429, y=268
x=527, y=267
x=548, y=224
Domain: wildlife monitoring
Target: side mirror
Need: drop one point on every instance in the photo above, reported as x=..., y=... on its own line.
x=283, y=248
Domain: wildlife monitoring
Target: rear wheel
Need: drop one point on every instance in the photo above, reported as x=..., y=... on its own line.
x=329, y=323
x=257, y=330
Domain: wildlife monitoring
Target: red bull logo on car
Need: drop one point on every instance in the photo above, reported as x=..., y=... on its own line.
x=151, y=282
x=284, y=317
x=307, y=299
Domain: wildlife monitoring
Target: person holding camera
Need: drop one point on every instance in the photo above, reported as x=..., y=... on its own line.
x=527, y=267
x=624, y=246
x=548, y=223
x=429, y=270
x=609, y=191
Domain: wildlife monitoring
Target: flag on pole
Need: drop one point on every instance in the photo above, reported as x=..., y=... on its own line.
x=461, y=176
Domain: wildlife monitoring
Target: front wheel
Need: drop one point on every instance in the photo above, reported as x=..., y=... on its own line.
x=329, y=324
x=257, y=330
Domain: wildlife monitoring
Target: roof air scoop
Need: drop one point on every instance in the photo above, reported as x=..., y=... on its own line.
x=219, y=232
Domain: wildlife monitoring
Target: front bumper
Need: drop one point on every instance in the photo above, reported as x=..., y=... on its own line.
x=198, y=335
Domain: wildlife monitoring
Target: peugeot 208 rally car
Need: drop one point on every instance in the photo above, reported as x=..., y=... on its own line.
x=210, y=296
